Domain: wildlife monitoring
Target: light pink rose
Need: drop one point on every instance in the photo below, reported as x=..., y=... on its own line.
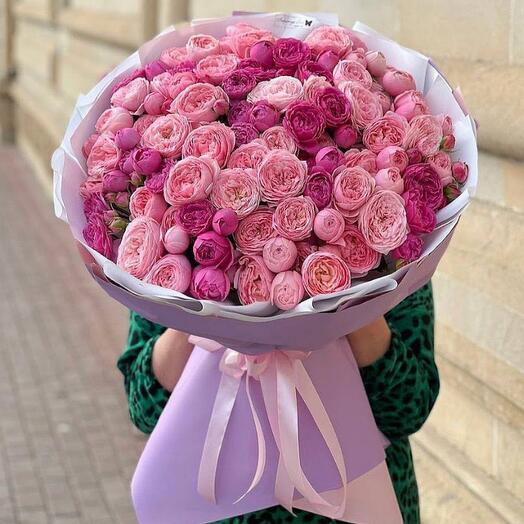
x=141, y=246
x=382, y=221
x=113, y=119
x=143, y=122
x=190, y=179
x=390, y=130
x=314, y=85
x=281, y=174
x=253, y=280
x=425, y=134
x=145, y=203
x=213, y=140
x=366, y=105
x=200, y=46
x=172, y=272
x=201, y=103
x=241, y=41
x=384, y=98
x=390, y=178
x=249, y=155
x=174, y=56
x=209, y=283
x=365, y=159
x=278, y=138
x=441, y=163
x=254, y=231
x=396, y=82
x=324, y=273
x=329, y=225
x=88, y=144
x=236, y=189
x=376, y=63
x=329, y=38
x=287, y=290
x=410, y=104
x=170, y=84
x=279, y=254
x=331, y=248
x=356, y=55
x=131, y=96
x=104, y=156
x=294, y=217
x=280, y=92
x=447, y=124
x=359, y=257
x=392, y=156
x=214, y=68
x=353, y=72
x=175, y=240
x=167, y=135
x=352, y=188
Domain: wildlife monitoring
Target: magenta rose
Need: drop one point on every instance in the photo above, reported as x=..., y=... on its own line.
x=143, y=202
x=113, y=119
x=199, y=46
x=365, y=159
x=238, y=84
x=225, y=222
x=359, y=257
x=212, y=249
x=390, y=130
x=424, y=177
x=175, y=240
x=254, y=231
x=155, y=182
x=253, y=280
x=127, y=138
x=262, y=53
x=155, y=68
x=376, y=63
x=214, y=140
x=392, y=156
x=209, y=283
x=141, y=246
x=421, y=218
x=97, y=236
x=288, y=53
x=104, y=156
x=195, y=217
x=460, y=172
x=264, y=115
x=424, y=134
x=352, y=188
x=167, y=135
x=281, y=174
x=382, y=221
x=390, y=178
x=294, y=217
x=287, y=290
x=345, y=136
x=351, y=71
x=410, y=250
x=441, y=163
x=305, y=122
x=244, y=132
x=201, y=102
x=324, y=273
x=319, y=187
x=366, y=105
x=248, y=155
x=278, y=138
x=94, y=204
x=329, y=158
x=240, y=111
x=452, y=191
x=329, y=38
x=328, y=60
x=334, y=104
x=279, y=254
x=395, y=82
x=171, y=272
x=146, y=160
x=414, y=156
x=131, y=96
x=311, y=68
x=329, y=225
x=280, y=92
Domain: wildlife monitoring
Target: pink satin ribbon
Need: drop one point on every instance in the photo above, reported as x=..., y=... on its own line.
x=281, y=375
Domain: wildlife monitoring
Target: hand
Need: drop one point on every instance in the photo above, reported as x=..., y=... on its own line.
x=370, y=342
x=170, y=356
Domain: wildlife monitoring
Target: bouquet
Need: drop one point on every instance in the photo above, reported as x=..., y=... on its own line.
x=251, y=173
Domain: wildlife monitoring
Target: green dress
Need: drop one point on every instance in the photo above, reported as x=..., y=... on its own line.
x=402, y=387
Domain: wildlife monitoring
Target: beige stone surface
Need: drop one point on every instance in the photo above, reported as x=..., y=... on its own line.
x=517, y=34
x=510, y=458
x=205, y=9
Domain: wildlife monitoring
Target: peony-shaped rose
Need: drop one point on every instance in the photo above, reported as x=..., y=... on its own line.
x=328, y=60
x=141, y=246
x=345, y=136
x=113, y=119
x=329, y=158
x=365, y=159
x=96, y=234
x=248, y=155
x=262, y=52
x=143, y=122
x=410, y=250
x=238, y=84
x=209, y=283
x=352, y=188
x=441, y=163
x=145, y=161
x=319, y=187
x=390, y=178
x=366, y=105
x=395, y=82
x=287, y=290
x=410, y=104
x=421, y=218
x=324, y=273
x=280, y=92
x=115, y=181
x=127, y=138
x=279, y=254
x=288, y=53
x=175, y=240
x=305, y=122
x=329, y=38
x=390, y=130
x=264, y=115
x=244, y=132
x=143, y=202
x=424, y=134
x=172, y=272
x=352, y=71
x=392, y=156
x=195, y=217
x=212, y=249
x=334, y=104
x=240, y=111
x=294, y=217
x=253, y=280
x=359, y=257
x=104, y=156
x=214, y=68
x=313, y=86
x=174, y=56
x=170, y=84
x=382, y=221
x=278, y=138
x=214, y=140
x=254, y=231
x=89, y=143
x=131, y=96
x=242, y=40
x=201, y=102
x=329, y=225
x=94, y=204
x=424, y=177
x=199, y=46
x=190, y=179
x=167, y=135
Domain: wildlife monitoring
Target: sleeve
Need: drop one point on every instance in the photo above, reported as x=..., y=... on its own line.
x=403, y=385
x=146, y=397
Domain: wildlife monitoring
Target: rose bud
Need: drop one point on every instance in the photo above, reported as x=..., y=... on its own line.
x=329, y=225
x=345, y=136
x=392, y=156
x=209, y=283
x=390, y=178
x=460, y=171
x=126, y=162
x=212, y=249
x=115, y=181
x=262, y=52
x=264, y=115
x=176, y=240
x=328, y=60
x=396, y=82
x=120, y=199
x=414, y=155
x=376, y=63
x=155, y=68
x=136, y=179
x=127, y=138
x=287, y=290
x=279, y=254
x=225, y=222
x=146, y=161
x=448, y=143
x=117, y=226
x=452, y=191
x=329, y=158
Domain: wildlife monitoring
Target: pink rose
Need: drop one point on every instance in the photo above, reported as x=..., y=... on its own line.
x=96, y=234
x=329, y=225
x=424, y=177
x=146, y=161
x=460, y=171
x=441, y=163
x=137, y=73
x=169, y=219
x=424, y=133
x=392, y=156
x=201, y=103
x=167, y=135
x=156, y=104
x=214, y=68
x=244, y=132
x=154, y=68
x=328, y=60
x=352, y=188
x=324, y=273
x=253, y=280
x=155, y=182
x=390, y=130
x=396, y=82
x=254, y=231
x=329, y=38
x=309, y=68
x=390, y=178
x=281, y=174
x=172, y=272
x=88, y=144
x=383, y=97
x=278, y=138
x=145, y=203
x=345, y=136
x=190, y=179
x=170, y=84
x=294, y=217
x=280, y=92
x=353, y=72
x=200, y=46
x=212, y=249
x=143, y=122
x=329, y=158
x=288, y=53
x=313, y=86
x=113, y=119
x=225, y=222
x=236, y=189
x=264, y=115
x=448, y=143
x=334, y=105
x=287, y=290
x=241, y=42
x=94, y=204
x=414, y=156
x=140, y=247
x=213, y=140
x=115, y=181
x=305, y=122
x=421, y=218
x=210, y=283
x=240, y=111
x=175, y=240
x=262, y=52
x=104, y=156
x=127, y=138
x=304, y=249
x=174, y=56
x=356, y=55
x=319, y=187
x=359, y=257
x=195, y=217
x=131, y=96
x=238, y=84
x=365, y=159
x=410, y=250
x=366, y=105
x=410, y=104
x=248, y=155
x=376, y=63
x=331, y=248
x=279, y=254
x=382, y=221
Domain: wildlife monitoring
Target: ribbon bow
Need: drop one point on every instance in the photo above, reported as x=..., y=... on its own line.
x=281, y=375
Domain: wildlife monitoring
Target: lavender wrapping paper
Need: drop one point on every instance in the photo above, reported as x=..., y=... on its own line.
x=164, y=486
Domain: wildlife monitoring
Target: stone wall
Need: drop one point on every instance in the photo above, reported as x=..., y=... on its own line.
x=474, y=438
